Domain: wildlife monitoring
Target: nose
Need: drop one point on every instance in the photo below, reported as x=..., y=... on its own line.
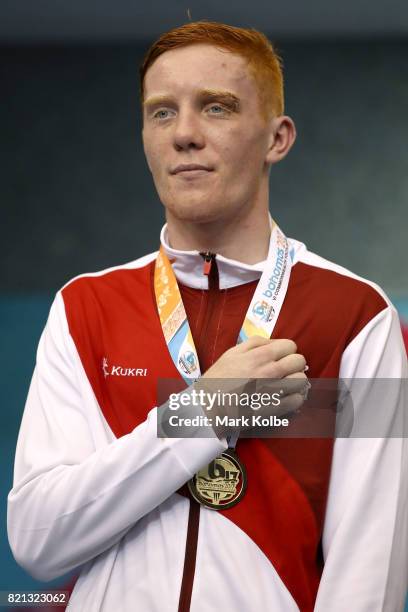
x=188, y=132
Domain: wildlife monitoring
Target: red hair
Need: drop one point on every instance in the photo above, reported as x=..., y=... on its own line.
x=263, y=62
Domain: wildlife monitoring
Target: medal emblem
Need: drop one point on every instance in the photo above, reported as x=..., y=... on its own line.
x=221, y=484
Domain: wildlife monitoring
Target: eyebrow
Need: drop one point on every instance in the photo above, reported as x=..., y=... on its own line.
x=155, y=100
x=218, y=94
x=227, y=97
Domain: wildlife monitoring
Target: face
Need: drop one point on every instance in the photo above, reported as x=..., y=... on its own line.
x=205, y=139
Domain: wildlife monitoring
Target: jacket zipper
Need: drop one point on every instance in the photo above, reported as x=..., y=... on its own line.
x=209, y=269
x=209, y=258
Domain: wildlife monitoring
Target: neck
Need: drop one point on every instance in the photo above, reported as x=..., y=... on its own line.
x=242, y=239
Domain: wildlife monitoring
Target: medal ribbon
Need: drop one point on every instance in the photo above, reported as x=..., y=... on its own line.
x=260, y=318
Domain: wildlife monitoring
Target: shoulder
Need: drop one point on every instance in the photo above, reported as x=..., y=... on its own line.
x=334, y=281
x=112, y=272
x=333, y=295
x=110, y=279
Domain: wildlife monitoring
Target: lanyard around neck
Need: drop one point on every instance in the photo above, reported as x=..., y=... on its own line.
x=260, y=318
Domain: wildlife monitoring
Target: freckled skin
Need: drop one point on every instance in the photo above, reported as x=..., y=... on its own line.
x=237, y=146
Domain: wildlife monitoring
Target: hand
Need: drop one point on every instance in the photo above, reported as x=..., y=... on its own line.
x=258, y=358
x=258, y=365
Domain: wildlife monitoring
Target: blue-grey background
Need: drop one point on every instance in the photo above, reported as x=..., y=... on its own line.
x=75, y=191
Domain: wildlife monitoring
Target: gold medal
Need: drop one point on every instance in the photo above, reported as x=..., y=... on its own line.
x=221, y=484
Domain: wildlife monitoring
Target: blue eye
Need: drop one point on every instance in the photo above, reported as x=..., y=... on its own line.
x=219, y=109
x=161, y=114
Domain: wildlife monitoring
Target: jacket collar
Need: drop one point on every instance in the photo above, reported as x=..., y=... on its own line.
x=188, y=267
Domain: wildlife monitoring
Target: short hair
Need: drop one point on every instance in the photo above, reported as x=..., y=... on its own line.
x=264, y=63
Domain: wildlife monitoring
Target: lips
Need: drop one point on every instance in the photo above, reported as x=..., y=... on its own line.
x=186, y=168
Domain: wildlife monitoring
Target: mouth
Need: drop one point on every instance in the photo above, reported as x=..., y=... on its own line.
x=191, y=170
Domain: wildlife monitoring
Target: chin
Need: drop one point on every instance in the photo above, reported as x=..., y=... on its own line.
x=194, y=210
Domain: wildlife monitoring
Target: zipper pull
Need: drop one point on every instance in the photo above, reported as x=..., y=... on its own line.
x=208, y=259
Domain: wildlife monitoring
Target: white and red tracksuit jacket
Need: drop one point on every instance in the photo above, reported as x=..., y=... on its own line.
x=322, y=526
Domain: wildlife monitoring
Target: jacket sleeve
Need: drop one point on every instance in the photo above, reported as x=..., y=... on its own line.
x=365, y=533
x=77, y=489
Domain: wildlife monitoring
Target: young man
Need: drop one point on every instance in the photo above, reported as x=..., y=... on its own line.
x=321, y=525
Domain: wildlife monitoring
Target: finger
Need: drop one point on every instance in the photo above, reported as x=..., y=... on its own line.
x=267, y=349
x=301, y=375
x=269, y=353
x=275, y=350
x=296, y=383
x=251, y=343
x=291, y=403
x=291, y=364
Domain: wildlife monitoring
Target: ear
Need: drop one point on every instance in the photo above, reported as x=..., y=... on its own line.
x=282, y=137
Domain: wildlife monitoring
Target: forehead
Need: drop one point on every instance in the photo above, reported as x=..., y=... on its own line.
x=198, y=66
